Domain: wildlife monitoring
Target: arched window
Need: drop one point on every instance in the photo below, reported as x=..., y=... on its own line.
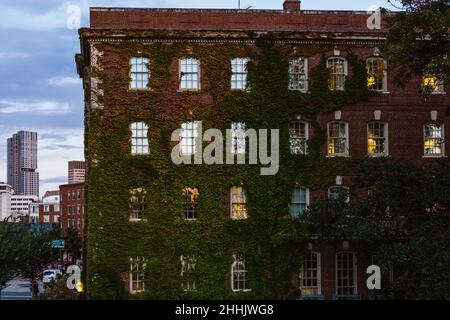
x=338, y=138
x=377, y=74
x=139, y=138
x=338, y=71
x=310, y=274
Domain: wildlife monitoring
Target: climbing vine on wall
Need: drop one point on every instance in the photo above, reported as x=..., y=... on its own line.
x=270, y=238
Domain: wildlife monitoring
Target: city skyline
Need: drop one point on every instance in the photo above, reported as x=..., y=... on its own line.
x=44, y=94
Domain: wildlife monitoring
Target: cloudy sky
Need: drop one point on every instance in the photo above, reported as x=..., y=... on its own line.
x=39, y=87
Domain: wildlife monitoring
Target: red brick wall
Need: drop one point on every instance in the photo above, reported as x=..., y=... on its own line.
x=73, y=203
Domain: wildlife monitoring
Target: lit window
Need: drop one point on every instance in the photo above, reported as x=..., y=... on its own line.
x=137, y=275
x=189, y=135
x=188, y=263
x=238, y=203
x=377, y=139
x=310, y=275
x=345, y=273
x=139, y=138
x=433, y=84
x=433, y=139
x=190, y=196
x=338, y=71
x=299, y=201
x=298, y=137
x=137, y=204
x=338, y=138
x=140, y=75
x=189, y=74
x=377, y=74
x=238, y=138
x=239, y=273
x=46, y=219
x=239, y=73
x=298, y=74
x=339, y=192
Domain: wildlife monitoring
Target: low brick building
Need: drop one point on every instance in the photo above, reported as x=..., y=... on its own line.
x=72, y=207
x=211, y=231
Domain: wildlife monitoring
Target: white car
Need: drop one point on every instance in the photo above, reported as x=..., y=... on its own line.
x=50, y=275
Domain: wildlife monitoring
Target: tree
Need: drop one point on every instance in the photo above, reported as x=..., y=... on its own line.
x=404, y=221
x=419, y=39
x=73, y=243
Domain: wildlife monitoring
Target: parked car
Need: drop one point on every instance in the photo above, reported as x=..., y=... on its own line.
x=49, y=275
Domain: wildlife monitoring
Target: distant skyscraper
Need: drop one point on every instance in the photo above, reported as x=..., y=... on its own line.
x=77, y=171
x=22, y=163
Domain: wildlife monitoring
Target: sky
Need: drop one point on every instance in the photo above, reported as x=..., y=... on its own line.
x=39, y=88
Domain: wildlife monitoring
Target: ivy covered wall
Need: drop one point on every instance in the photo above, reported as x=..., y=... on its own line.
x=270, y=238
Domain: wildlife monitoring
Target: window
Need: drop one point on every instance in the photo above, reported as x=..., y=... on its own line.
x=339, y=192
x=139, y=138
x=239, y=73
x=190, y=196
x=433, y=84
x=377, y=74
x=338, y=71
x=46, y=219
x=238, y=203
x=298, y=137
x=238, y=138
x=298, y=74
x=338, y=138
x=68, y=210
x=188, y=263
x=310, y=274
x=78, y=209
x=377, y=139
x=239, y=273
x=299, y=201
x=345, y=273
x=68, y=195
x=137, y=275
x=46, y=208
x=433, y=139
x=137, y=204
x=189, y=74
x=140, y=75
x=189, y=135
x=78, y=194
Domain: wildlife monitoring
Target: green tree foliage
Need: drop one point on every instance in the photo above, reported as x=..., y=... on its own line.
x=405, y=219
x=419, y=39
x=73, y=243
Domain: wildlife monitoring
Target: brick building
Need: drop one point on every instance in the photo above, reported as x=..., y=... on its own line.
x=72, y=207
x=128, y=98
x=49, y=213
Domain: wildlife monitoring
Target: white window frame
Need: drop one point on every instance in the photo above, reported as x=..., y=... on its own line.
x=239, y=74
x=188, y=62
x=188, y=138
x=140, y=195
x=355, y=273
x=139, y=142
x=139, y=66
x=334, y=74
x=189, y=211
x=369, y=67
x=142, y=265
x=243, y=196
x=293, y=74
x=339, y=186
x=188, y=262
x=386, y=139
x=305, y=273
x=306, y=203
x=346, y=153
x=243, y=271
x=434, y=155
x=238, y=138
x=294, y=137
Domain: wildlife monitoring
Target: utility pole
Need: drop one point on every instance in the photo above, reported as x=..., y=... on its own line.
x=239, y=4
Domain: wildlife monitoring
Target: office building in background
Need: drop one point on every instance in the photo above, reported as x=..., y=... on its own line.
x=76, y=171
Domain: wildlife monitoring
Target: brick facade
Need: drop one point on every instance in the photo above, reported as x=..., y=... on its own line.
x=72, y=207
